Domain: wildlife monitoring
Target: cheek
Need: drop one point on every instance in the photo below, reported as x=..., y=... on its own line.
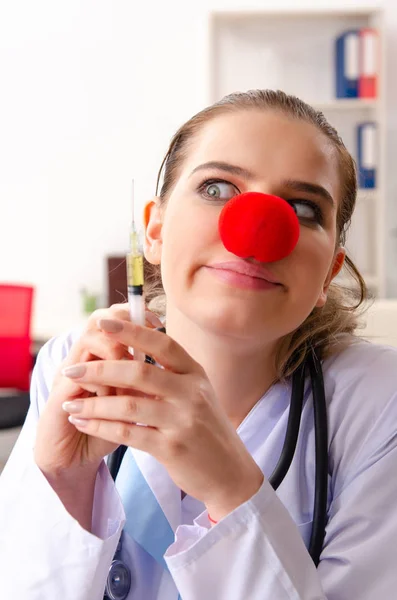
x=311, y=260
x=189, y=234
x=307, y=268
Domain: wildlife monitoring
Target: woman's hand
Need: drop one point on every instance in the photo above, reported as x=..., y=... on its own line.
x=60, y=448
x=186, y=428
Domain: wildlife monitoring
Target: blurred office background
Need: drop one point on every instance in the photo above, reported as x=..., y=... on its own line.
x=91, y=93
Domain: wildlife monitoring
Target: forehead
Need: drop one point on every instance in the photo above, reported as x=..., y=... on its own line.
x=271, y=145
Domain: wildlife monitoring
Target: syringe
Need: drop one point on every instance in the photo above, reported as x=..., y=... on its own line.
x=135, y=279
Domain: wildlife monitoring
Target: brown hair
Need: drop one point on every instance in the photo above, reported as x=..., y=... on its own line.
x=324, y=327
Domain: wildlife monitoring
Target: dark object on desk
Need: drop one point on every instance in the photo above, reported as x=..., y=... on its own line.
x=117, y=292
x=117, y=280
x=13, y=410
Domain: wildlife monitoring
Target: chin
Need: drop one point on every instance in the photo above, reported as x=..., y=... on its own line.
x=226, y=318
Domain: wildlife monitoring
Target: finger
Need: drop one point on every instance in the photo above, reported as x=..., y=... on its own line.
x=152, y=320
x=121, y=311
x=129, y=409
x=144, y=377
x=68, y=388
x=117, y=311
x=166, y=351
x=96, y=344
x=91, y=346
x=98, y=389
x=138, y=436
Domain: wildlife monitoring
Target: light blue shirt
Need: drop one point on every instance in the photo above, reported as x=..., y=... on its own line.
x=258, y=552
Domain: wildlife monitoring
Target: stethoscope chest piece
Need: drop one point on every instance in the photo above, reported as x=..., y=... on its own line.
x=118, y=583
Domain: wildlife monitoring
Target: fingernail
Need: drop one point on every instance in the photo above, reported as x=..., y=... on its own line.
x=78, y=422
x=110, y=326
x=153, y=319
x=73, y=407
x=74, y=372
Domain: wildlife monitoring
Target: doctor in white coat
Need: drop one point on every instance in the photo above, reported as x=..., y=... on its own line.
x=192, y=505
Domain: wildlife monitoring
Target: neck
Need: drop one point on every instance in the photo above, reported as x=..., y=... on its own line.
x=239, y=373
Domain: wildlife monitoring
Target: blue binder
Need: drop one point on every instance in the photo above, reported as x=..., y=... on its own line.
x=347, y=64
x=366, y=154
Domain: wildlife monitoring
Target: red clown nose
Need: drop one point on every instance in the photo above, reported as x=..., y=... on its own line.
x=259, y=225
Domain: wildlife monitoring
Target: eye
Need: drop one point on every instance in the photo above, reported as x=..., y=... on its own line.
x=218, y=190
x=307, y=211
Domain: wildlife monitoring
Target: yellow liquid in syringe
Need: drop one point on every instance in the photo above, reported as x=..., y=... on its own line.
x=134, y=263
x=134, y=270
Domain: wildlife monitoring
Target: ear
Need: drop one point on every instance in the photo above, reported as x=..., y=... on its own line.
x=153, y=229
x=337, y=264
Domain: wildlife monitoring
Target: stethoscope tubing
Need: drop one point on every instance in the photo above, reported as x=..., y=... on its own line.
x=321, y=451
x=313, y=364
x=321, y=445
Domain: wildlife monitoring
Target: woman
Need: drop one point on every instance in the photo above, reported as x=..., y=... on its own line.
x=201, y=519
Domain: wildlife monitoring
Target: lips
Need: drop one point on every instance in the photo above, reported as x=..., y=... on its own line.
x=245, y=268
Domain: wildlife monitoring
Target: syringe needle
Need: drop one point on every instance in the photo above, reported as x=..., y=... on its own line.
x=133, y=203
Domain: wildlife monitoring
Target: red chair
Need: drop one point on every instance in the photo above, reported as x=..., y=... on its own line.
x=15, y=338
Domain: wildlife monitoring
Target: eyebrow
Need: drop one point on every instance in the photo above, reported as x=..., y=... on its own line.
x=292, y=184
x=310, y=188
x=224, y=166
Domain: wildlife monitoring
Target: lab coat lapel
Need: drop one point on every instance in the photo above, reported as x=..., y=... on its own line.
x=151, y=501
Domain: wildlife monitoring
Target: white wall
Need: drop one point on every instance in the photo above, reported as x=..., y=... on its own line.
x=91, y=92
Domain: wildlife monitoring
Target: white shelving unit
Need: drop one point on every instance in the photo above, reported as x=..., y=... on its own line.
x=294, y=51
x=346, y=104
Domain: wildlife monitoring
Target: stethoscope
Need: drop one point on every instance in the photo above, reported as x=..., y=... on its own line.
x=255, y=208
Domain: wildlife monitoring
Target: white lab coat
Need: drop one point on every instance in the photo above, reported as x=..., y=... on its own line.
x=257, y=552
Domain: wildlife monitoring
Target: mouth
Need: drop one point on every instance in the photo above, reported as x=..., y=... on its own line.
x=244, y=275
x=247, y=269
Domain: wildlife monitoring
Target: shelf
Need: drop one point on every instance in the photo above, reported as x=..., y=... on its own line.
x=346, y=104
x=366, y=194
x=365, y=12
